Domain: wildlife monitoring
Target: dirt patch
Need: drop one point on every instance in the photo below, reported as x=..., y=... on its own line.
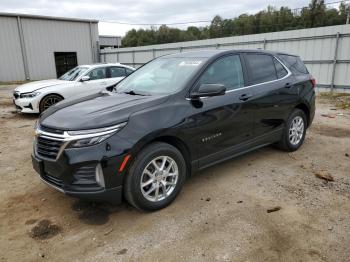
x=332, y=131
x=122, y=251
x=220, y=215
x=92, y=213
x=44, y=229
x=31, y=221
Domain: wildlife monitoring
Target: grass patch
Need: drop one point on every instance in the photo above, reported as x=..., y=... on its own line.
x=341, y=100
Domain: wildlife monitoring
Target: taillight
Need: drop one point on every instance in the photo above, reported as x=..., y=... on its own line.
x=313, y=82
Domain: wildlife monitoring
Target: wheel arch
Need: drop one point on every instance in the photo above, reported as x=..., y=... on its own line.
x=303, y=107
x=176, y=142
x=49, y=94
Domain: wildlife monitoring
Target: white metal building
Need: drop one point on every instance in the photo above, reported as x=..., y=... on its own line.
x=325, y=51
x=109, y=41
x=39, y=47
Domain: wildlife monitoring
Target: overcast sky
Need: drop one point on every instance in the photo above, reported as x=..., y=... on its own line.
x=142, y=11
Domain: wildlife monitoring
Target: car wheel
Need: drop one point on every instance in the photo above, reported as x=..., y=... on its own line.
x=295, y=131
x=155, y=177
x=49, y=101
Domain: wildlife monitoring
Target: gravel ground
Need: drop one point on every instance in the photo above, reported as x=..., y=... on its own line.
x=267, y=205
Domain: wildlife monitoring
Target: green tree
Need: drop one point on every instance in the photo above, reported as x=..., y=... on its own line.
x=268, y=20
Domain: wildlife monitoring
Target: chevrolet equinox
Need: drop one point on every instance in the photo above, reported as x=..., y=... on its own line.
x=175, y=115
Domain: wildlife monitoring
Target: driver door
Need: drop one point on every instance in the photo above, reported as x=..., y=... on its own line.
x=223, y=123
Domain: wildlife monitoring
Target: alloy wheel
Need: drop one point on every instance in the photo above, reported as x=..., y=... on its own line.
x=296, y=130
x=159, y=178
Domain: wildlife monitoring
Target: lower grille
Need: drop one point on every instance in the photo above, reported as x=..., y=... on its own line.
x=85, y=176
x=48, y=148
x=53, y=180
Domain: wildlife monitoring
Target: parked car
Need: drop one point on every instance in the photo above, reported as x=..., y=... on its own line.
x=176, y=115
x=35, y=97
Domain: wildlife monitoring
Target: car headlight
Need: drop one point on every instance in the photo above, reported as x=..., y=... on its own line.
x=29, y=95
x=93, y=136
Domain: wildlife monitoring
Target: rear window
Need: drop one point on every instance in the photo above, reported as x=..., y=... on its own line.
x=262, y=67
x=294, y=64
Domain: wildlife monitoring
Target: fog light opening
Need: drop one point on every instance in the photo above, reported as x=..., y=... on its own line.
x=99, y=176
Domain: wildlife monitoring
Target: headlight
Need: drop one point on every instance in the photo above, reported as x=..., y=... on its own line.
x=29, y=95
x=93, y=136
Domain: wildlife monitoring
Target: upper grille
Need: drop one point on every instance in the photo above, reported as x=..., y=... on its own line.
x=48, y=148
x=51, y=130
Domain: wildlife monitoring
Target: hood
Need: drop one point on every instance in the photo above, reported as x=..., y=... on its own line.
x=95, y=111
x=36, y=85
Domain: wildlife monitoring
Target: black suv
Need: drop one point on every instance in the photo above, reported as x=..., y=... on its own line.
x=175, y=115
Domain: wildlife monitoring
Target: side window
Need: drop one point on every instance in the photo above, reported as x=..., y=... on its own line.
x=262, y=68
x=98, y=73
x=280, y=70
x=115, y=71
x=226, y=71
x=128, y=71
x=294, y=64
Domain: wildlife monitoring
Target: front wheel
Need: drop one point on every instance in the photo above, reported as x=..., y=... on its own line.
x=49, y=101
x=155, y=177
x=295, y=131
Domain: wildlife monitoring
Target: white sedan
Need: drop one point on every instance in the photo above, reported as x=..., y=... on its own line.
x=35, y=97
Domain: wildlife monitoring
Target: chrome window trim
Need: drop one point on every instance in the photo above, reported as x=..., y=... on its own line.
x=263, y=83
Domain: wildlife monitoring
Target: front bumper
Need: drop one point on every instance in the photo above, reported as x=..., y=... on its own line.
x=75, y=173
x=27, y=105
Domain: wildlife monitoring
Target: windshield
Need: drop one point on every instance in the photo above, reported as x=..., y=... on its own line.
x=73, y=74
x=161, y=76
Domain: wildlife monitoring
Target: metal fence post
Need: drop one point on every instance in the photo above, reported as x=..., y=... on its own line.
x=23, y=48
x=118, y=57
x=154, y=53
x=133, y=58
x=264, y=44
x=335, y=60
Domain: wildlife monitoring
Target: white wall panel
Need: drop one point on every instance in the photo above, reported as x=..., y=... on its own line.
x=315, y=44
x=11, y=61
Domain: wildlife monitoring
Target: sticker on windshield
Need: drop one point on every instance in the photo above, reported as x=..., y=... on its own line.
x=190, y=63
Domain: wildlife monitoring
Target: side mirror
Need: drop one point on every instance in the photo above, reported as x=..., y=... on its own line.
x=208, y=90
x=85, y=78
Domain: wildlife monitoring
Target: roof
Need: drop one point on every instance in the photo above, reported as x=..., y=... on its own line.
x=105, y=64
x=48, y=17
x=110, y=36
x=210, y=53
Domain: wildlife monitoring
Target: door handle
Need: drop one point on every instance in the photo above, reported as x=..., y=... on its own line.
x=245, y=97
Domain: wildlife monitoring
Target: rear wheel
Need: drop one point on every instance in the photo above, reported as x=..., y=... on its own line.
x=295, y=131
x=155, y=177
x=49, y=101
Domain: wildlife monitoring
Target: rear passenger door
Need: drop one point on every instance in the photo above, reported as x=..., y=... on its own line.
x=274, y=93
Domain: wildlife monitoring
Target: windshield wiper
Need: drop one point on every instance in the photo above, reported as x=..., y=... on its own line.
x=133, y=93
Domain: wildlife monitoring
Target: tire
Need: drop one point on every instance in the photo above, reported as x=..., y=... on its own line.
x=49, y=101
x=142, y=170
x=292, y=140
